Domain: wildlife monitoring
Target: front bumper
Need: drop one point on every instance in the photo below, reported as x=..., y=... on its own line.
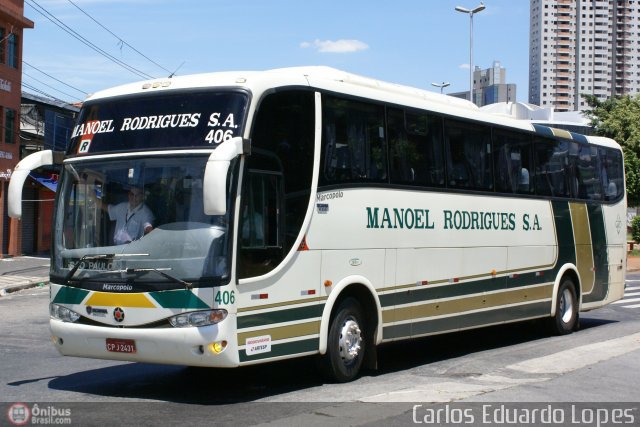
x=177, y=346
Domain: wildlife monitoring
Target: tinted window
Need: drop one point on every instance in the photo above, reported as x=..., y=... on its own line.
x=587, y=169
x=277, y=184
x=513, y=162
x=611, y=173
x=415, y=148
x=469, y=155
x=353, y=142
x=555, y=174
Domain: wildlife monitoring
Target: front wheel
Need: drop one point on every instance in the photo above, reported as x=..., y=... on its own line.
x=345, y=343
x=565, y=320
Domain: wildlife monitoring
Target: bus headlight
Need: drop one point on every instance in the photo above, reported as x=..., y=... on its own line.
x=198, y=318
x=62, y=313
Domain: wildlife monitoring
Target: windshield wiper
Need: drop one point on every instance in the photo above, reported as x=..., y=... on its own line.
x=160, y=271
x=85, y=258
x=187, y=285
x=93, y=258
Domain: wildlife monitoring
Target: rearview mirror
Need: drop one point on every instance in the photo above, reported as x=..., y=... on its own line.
x=20, y=174
x=214, y=187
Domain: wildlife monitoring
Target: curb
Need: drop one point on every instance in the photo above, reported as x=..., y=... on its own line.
x=20, y=287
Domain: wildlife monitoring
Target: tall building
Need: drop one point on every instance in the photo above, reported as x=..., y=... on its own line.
x=489, y=86
x=12, y=24
x=583, y=47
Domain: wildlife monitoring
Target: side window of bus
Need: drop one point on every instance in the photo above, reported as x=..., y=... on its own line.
x=260, y=227
x=277, y=180
x=611, y=173
x=512, y=162
x=415, y=148
x=587, y=170
x=353, y=142
x=555, y=175
x=468, y=156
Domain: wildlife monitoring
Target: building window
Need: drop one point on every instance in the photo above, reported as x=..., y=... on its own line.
x=12, y=50
x=9, y=126
x=2, y=50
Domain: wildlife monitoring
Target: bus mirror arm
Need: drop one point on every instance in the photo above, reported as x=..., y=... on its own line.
x=214, y=187
x=20, y=174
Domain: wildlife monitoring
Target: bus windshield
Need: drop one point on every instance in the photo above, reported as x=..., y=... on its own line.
x=138, y=220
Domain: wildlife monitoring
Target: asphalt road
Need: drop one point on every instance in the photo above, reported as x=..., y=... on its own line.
x=461, y=371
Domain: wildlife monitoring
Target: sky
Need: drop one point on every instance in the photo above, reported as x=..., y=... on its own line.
x=409, y=42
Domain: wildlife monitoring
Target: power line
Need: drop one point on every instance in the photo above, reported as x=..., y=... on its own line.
x=41, y=92
x=49, y=86
x=51, y=77
x=83, y=40
x=118, y=37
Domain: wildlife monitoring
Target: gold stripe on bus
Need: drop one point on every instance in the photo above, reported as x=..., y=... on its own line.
x=281, y=304
x=477, y=302
x=283, y=332
x=103, y=299
x=584, y=247
x=561, y=133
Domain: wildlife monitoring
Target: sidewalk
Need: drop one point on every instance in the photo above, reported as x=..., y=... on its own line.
x=19, y=273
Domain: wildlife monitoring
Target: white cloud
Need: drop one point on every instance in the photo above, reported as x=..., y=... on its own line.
x=335, y=46
x=463, y=66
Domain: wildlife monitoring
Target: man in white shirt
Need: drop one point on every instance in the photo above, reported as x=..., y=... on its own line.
x=133, y=218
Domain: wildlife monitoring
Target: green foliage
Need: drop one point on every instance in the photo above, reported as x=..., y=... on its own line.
x=619, y=118
x=635, y=228
x=632, y=177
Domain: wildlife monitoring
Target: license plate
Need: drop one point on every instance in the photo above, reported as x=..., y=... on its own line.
x=121, y=346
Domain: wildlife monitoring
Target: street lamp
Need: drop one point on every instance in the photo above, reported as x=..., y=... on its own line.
x=479, y=8
x=441, y=85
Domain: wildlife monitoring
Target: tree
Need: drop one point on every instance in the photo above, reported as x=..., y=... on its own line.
x=619, y=118
x=632, y=177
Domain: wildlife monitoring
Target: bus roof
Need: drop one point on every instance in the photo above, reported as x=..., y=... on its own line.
x=338, y=81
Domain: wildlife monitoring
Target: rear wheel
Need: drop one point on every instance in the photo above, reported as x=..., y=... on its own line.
x=345, y=342
x=565, y=320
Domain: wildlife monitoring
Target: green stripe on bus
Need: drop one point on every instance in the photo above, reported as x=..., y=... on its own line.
x=285, y=349
x=564, y=234
x=600, y=256
x=464, y=321
x=280, y=316
x=178, y=299
x=68, y=295
x=466, y=288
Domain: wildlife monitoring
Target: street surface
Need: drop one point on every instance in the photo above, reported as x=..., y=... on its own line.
x=512, y=363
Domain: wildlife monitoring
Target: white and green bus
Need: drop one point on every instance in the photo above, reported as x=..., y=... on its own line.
x=308, y=211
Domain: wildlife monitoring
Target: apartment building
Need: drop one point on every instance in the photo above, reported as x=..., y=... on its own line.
x=490, y=85
x=583, y=47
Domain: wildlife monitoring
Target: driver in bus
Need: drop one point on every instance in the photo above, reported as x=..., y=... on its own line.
x=133, y=219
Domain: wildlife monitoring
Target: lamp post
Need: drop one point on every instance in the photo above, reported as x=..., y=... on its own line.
x=441, y=85
x=471, y=12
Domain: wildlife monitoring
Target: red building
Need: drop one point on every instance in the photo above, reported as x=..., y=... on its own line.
x=12, y=24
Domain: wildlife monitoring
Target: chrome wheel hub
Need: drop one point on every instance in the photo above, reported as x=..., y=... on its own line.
x=566, y=306
x=350, y=340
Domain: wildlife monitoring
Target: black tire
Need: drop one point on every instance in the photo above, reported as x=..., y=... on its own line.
x=565, y=320
x=345, y=343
